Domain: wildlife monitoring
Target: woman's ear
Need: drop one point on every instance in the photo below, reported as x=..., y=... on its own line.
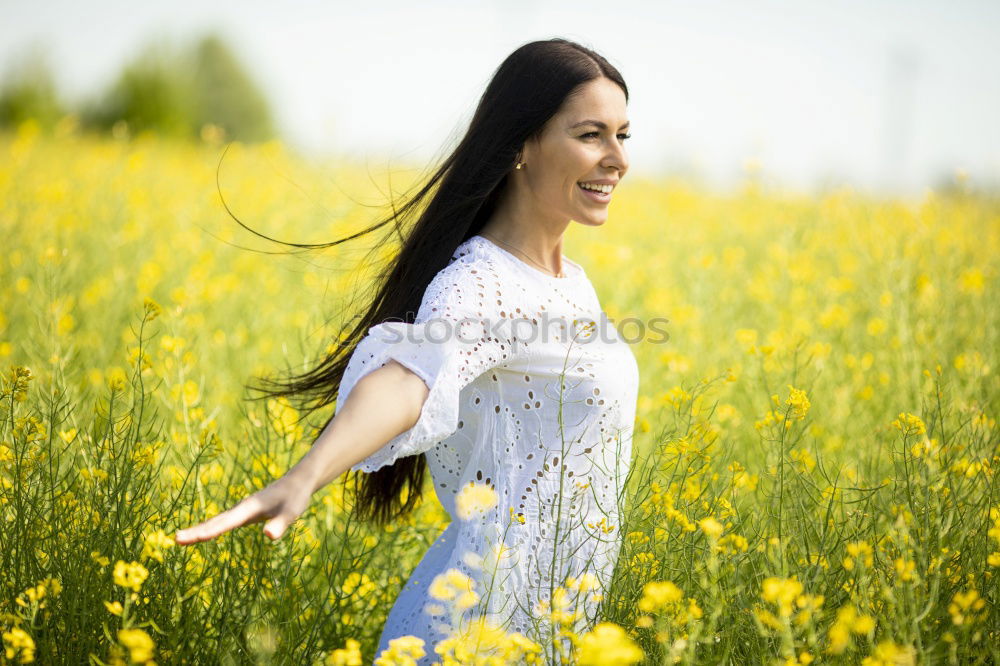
x=527, y=149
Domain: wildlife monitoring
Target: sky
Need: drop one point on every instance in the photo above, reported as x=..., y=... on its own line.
x=883, y=96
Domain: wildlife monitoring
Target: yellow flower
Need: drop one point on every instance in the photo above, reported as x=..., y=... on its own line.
x=435, y=609
x=732, y=543
x=887, y=653
x=971, y=281
x=130, y=575
x=358, y=583
x=350, y=655
x=905, y=569
x=455, y=586
x=474, y=498
x=16, y=641
x=285, y=418
x=560, y=610
x=31, y=596
x=602, y=525
x=964, y=602
x=115, y=608
x=607, y=645
x=839, y=634
x=188, y=393
x=798, y=401
x=35, y=596
x=657, y=594
x=767, y=618
x=876, y=326
x=857, y=549
x=810, y=604
x=19, y=378
x=139, y=644
x=152, y=309
x=782, y=592
x=116, y=378
x=154, y=544
x=171, y=344
x=55, y=587
x=746, y=336
x=909, y=424
x=584, y=583
x=711, y=527
x=402, y=650
x=675, y=396
x=483, y=642
x=804, y=458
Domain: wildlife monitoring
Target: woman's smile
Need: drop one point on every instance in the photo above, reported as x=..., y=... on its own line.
x=596, y=195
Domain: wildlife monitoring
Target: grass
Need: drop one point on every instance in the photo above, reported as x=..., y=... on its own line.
x=815, y=451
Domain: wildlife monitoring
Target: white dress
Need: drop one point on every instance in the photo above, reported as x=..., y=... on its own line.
x=492, y=338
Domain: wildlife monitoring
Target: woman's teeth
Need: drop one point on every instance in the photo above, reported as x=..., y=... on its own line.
x=603, y=189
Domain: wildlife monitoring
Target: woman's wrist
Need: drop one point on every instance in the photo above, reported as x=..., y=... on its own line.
x=307, y=474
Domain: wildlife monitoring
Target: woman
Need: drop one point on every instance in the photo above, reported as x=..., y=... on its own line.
x=495, y=381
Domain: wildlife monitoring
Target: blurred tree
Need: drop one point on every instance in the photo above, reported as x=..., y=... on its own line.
x=178, y=91
x=153, y=92
x=29, y=91
x=226, y=96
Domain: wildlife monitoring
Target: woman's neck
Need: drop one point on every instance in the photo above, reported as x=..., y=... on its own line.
x=543, y=248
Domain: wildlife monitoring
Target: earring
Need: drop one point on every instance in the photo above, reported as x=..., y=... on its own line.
x=519, y=165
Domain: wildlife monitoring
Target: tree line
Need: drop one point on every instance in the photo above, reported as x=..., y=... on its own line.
x=177, y=92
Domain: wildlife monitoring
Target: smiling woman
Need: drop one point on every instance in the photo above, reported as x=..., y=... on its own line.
x=539, y=424
x=573, y=163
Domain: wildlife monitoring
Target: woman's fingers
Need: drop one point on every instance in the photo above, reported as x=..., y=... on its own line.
x=275, y=527
x=247, y=511
x=282, y=502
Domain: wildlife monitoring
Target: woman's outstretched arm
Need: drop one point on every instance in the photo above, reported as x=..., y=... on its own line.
x=385, y=403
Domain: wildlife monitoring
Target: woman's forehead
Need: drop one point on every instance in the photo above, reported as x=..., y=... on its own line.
x=600, y=99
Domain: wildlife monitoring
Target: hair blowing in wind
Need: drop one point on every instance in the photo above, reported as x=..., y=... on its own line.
x=526, y=90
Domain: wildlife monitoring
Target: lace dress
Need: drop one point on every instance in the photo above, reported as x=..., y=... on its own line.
x=526, y=400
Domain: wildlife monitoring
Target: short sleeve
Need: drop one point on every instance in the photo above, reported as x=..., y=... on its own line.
x=450, y=343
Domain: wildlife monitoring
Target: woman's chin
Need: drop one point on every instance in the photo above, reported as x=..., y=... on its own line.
x=592, y=220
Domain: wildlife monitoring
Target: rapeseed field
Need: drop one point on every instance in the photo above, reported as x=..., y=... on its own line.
x=814, y=455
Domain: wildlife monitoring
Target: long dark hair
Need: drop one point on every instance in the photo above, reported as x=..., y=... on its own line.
x=526, y=90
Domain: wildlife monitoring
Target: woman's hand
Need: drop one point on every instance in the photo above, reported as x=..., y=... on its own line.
x=366, y=421
x=282, y=502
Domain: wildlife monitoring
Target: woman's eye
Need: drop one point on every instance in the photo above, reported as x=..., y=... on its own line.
x=620, y=136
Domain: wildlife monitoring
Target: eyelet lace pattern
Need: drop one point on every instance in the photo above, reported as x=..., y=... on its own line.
x=524, y=400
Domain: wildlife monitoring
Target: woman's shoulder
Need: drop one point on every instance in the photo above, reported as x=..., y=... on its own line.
x=465, y=281
x=470, y=265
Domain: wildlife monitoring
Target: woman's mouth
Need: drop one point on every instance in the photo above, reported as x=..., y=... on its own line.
x=596, y=194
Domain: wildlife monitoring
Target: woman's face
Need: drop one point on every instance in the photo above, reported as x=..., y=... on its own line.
x=584, y=142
